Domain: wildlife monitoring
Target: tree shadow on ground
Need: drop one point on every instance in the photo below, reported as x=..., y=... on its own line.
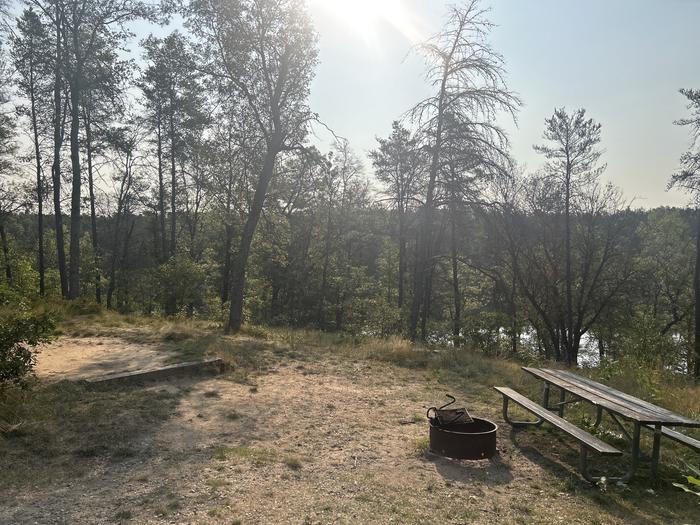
x=631, y=503
x=80, y=451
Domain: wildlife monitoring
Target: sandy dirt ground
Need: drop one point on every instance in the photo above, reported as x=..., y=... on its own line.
x=312, y=442
x=83, y=358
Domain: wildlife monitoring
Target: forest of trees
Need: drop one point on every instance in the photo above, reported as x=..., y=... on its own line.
x=186, y=183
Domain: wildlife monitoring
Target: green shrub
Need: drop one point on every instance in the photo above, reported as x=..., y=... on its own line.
x=181, y=283
x=21, y=329
x=693, y=482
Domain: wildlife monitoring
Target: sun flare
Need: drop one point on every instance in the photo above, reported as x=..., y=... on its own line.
x=366, y=18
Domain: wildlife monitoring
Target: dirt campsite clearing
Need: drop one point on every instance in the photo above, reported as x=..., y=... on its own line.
x=295, y=433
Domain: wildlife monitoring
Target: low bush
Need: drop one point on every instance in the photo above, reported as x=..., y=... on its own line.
x=21, y=330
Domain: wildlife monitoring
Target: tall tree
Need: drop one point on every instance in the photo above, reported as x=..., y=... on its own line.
x=53, y=11
x=688, y=178
x=106, y=80
x=399, y=163
x=33, y=61
x=10, y=197
x=85, y=28
x=123, y=142
x=175, y=113
x=572, y=165
x=232, y=159
x=265, y=52
x=468, y=78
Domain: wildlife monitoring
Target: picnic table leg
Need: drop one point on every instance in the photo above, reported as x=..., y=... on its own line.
x=598, y=416
x=635, y=453
x=656, y=451
x=545, y=396
x=633, y=464
x=562, y=399
x=583, y=466
x=512, y=423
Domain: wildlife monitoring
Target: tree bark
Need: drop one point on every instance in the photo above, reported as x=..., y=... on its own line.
x=6, y=253
x=93, y=214
x=226, y=270
x=456, y=296
x=75, y=215
x=39, y=179
x=402, y=256
x=514, y=329
x=173, y=188
x=569, y=347
x=161, y=189
x=427, y=298
x=113, y=266
x=696, y=293
x=228, y=229
x=324, y=273
x=239, y=271
x=56, y=165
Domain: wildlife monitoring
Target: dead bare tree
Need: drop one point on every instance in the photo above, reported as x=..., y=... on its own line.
x=470, y=89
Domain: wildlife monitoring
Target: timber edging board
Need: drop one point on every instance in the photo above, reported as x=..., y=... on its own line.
x=214, y=365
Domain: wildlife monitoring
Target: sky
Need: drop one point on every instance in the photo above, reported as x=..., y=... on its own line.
x=622, y=60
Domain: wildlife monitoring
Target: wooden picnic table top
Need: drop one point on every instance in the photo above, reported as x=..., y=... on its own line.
x=611, y=399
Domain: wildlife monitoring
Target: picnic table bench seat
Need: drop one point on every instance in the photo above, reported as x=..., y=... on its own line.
x=622, y=409
x=586, y=440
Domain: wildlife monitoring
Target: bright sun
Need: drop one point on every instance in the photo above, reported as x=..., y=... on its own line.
x=365, y=17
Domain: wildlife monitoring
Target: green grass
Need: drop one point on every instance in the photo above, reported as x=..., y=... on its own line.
x=421, y=446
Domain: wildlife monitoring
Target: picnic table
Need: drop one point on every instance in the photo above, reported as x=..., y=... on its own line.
x=619, y=406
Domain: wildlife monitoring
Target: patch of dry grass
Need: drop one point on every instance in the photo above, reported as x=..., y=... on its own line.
x=255, y=455
x=61, y=429
x=67, y=431
x=64, y=429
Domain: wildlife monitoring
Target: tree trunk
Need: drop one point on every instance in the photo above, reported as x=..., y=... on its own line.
x=122, y=265
x=324, y=273
x=422, y=272
x=456, y=296
x=514, y=329
x=6, y=253
x=75, y=215
x=56, y=166
x=173, y=189
x=229, y=231
x=402, y=256
x=239, y=271
x=569, y=347
x=226, y=270
x=115, y=256
x=696, y=293
x=93, y=214
x=161, y=190
x=423, y=275
x=39, y=179
x=427, y=303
